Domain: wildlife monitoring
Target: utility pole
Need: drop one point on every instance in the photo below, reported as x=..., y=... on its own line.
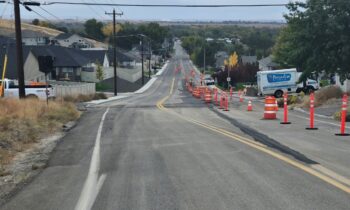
x=20, y=70
x=115, y=50
x=143, y=77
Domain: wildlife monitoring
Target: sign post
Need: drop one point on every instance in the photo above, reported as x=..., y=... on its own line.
x=45, y=66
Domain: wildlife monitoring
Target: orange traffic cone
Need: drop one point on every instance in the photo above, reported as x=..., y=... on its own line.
x=250, y=107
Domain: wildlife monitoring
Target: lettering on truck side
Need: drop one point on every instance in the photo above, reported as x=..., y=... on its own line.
x=273, y=78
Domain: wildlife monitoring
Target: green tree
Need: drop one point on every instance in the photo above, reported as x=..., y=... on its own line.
x=99, y=71
x=93, y=29
x=316, y=38
x=35, y=22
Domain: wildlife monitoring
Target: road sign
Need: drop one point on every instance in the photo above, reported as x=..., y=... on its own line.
x=228, y=79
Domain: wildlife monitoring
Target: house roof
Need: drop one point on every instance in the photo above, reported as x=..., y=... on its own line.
x=121, y=56
x=94, y=55
x=268, y=61
x=63, y=56
x=4, y=41
x=249, y=59
x=11, y=68
x=221, y=54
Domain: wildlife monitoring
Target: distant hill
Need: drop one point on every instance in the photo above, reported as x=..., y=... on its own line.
x=7, y=28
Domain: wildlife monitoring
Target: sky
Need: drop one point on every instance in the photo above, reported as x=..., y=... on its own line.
x=165, y=14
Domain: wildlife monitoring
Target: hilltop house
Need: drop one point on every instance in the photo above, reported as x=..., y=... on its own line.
x=34, y=38
x=267, y=63
x=73, y=41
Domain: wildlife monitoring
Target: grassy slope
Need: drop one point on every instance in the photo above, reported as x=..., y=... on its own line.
x=7, y=28
x=23, y=123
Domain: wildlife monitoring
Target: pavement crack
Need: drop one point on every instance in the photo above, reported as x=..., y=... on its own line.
x=266, y=140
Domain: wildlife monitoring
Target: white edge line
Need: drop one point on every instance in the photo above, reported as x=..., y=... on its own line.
x=93, y=183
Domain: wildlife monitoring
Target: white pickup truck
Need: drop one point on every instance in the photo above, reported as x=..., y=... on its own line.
x=10, y=90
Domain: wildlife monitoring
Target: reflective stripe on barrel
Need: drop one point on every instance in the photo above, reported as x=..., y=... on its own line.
x=270, y=108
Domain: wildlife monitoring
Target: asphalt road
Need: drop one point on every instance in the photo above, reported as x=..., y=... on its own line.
x=158, y=150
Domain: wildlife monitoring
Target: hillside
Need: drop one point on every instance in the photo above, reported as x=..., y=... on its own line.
x=7, y=28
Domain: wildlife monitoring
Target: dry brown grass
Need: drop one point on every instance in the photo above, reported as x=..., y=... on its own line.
x=9, y=26
x=323, y=96
x=23, y=122
x=84, y=98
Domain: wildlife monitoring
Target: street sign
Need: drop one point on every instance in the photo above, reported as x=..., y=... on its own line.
x=228, y=79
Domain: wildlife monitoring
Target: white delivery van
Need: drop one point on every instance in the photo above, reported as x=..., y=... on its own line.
x=275, y=82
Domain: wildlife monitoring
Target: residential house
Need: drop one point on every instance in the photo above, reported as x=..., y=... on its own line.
x=124, y=59
x=34, y=38
x=220, y=58
x=73, y=41
x=267, y=63
x=252, y=60
x=97, y=58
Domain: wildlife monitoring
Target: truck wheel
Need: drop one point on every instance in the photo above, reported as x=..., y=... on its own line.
x=278, y=93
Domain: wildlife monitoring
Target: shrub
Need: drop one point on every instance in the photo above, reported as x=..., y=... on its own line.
x=337, y=116
x=292, y=99
x=327, y=93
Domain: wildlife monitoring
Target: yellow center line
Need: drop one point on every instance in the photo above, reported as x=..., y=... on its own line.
x=256, y=145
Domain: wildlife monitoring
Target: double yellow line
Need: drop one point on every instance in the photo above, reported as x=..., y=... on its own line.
x=256, y=145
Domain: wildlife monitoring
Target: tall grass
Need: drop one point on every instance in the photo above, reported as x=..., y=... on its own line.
x=23, y=122
x=324, y=95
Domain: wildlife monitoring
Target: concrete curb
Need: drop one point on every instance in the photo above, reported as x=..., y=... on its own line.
x=127, y=95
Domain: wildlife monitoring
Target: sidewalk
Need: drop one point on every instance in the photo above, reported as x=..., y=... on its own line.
x=321, y=149
x=127, y=95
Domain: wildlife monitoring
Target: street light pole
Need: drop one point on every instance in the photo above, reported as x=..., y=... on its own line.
x=19, y=48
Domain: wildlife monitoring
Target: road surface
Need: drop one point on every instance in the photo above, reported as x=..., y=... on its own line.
x=165, y=150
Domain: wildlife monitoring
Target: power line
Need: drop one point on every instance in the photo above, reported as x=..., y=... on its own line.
x=39, y=15
x=89, y=6
x=50, y=13
x=165, y=5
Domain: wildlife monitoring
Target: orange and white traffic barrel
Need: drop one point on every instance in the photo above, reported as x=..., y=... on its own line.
x=207, y=96
x=270, y=108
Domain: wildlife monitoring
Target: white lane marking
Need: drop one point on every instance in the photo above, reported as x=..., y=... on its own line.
x=320, y=121
x=93, y=182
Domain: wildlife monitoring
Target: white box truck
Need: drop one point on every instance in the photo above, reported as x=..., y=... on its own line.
x=275, y=82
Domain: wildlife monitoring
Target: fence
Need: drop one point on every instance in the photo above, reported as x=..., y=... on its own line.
x=74, y=89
